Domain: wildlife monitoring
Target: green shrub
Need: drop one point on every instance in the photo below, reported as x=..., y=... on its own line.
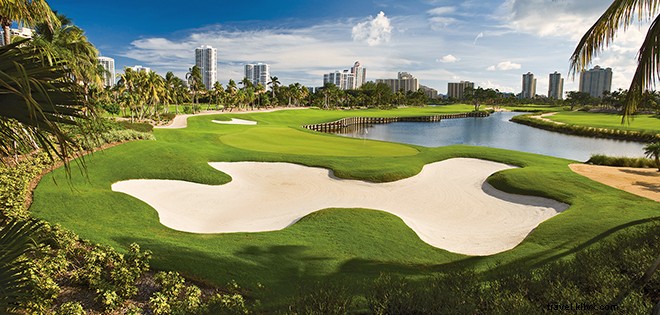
x=322, y=298
x=167, y=116
x=70, y=308
x=137, y=126
x=600, y=159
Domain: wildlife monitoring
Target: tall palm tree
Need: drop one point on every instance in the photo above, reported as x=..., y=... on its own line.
x=217, y=94
x=274, y=85
x=652, y=150
x=621, y=14
x=25, y=12
x=69, y=42
x=194, y=78
x=231, y=92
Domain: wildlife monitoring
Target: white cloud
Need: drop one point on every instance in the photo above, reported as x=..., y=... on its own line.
x=375, y=32
x=441, y=10
x=448, y=59
x=480, y=35
x=504, y=66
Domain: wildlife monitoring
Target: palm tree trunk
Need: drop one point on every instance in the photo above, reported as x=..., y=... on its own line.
x=5, y=29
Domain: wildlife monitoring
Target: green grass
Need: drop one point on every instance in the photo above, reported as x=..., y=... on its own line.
x=646, y=123
x=351, y=244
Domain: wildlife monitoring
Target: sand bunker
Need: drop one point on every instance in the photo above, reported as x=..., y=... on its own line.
x=643, y=182
x=448, y=204
x=235, y=121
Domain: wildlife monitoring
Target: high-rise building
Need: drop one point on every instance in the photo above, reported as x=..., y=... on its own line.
x=139, y=68
x=258, y=73
x=108, y=65
x=429, y=91
x=404, y=82
x=456, y=90
x=343, y=80
x=556, y=86
x=360, y=75
x=596, y=81
x=528, y=85
x=347, y=80
x=206, y=59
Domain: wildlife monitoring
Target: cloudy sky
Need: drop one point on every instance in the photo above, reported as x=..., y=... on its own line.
x=489, y=42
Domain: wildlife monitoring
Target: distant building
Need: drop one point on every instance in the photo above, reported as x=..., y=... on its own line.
x=528, y=85
x=556, y=86
x=258, y=73
x=108, y=65
x=596, y=81
x=347, y=80
x=404, y=82
x=22, y=32
x=206, y=59
x=456, y=90
x=343, y=80
x=429, y=92
x=359, y=75
x=139, y=68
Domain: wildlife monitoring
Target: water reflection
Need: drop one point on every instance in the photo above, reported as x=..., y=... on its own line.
x=498, y=132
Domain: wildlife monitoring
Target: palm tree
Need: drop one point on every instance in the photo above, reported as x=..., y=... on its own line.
x=621, y=14
x=194, y=78
x=652, y=150
x=231, y=93
x=217, y=94
x=37, y=98
x=25, y=12
x=274, y=84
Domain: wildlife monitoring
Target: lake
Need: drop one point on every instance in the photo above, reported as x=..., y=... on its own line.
x=497, y=131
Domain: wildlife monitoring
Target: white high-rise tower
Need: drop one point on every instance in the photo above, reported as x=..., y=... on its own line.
x=206, y=58
x=258, y=73
x=108, y=65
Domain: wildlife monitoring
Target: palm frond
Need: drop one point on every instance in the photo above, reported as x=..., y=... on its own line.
x=36, y=97
x=17, y=237
x=646, y=73
x=620, y=14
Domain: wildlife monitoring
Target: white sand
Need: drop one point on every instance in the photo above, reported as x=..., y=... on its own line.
x=235, y=121
x=448, y=204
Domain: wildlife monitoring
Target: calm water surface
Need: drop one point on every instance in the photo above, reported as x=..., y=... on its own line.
x=498, y=132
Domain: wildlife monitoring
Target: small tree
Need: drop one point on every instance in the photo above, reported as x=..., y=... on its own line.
x=652, y=150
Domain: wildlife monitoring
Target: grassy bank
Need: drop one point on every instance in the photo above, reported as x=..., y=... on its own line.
x=589, y=126
x=352, y=244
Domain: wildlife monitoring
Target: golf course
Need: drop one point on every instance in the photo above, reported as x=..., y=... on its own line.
x=338, y=243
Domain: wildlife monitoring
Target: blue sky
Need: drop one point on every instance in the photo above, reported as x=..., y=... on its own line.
x=491, y=43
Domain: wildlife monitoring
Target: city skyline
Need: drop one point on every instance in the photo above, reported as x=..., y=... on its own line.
x=487, y=42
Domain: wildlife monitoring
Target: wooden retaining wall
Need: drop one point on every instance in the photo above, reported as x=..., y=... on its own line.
x=339, y=125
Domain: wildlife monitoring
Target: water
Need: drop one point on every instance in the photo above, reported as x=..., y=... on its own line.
x=497, y=131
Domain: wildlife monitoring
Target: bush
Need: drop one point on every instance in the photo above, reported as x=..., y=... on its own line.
x=141, y=127
x=322, y=298
x=167, y=116
x=600, y=159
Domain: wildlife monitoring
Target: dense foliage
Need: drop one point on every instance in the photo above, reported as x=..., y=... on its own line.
x=592, y=279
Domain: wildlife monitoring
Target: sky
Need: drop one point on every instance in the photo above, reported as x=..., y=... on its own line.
x=489, y=42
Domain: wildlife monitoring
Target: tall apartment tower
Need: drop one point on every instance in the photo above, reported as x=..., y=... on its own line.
x=528, y=85
x=596, y=81
x=108, y=65
x=343, y=80
x=556, y=86
x=359, y=74
x=456, y=90
x=258, y=73
x=206, y=58
x=404, y=81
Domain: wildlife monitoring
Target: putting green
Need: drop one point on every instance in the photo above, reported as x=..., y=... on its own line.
x=270, y=139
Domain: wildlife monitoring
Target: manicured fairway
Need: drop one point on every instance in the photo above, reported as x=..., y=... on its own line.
x=332, y=244
x=610, y=121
